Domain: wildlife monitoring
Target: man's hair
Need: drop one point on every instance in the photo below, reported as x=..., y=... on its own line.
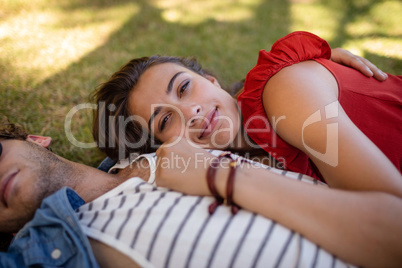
x=10, y=130
x=112, y=127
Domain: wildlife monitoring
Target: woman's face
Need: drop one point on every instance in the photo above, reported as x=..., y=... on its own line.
x=173, y=101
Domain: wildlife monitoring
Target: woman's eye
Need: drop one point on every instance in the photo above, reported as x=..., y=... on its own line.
x=163, y=123
x=183, y=88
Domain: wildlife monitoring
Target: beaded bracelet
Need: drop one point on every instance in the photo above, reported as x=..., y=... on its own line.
x=229, y=186
x=211, y=185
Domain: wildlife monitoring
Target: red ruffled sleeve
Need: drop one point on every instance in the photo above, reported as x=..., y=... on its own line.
x=291, y=49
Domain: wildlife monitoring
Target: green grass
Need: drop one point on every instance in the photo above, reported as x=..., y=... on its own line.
x=54, y=53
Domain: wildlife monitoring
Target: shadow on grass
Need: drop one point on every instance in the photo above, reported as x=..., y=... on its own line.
x=384, y=63
x=229, y=49
x=351, y=12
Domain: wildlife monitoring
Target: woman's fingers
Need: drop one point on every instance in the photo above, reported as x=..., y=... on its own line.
x=376, y=72
x=361, y=64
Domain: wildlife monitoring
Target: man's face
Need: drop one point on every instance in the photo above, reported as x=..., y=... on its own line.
x=28, y=174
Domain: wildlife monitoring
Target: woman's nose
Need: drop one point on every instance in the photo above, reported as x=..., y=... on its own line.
x=191, y=113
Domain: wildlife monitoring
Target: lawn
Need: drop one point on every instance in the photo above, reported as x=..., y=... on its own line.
x=53, y=54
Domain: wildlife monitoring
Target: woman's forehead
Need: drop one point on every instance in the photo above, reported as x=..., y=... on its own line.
x=154, y=83
x=164, y=70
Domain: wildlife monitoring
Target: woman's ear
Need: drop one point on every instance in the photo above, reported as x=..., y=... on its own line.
x=41, y=140
x=213, y=80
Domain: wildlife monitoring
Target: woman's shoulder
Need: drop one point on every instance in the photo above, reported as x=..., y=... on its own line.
x=293, y=48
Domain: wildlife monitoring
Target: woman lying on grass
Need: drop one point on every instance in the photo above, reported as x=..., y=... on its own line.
x=310, y=114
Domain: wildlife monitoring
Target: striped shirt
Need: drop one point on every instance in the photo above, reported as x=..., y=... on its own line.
x=157, y=227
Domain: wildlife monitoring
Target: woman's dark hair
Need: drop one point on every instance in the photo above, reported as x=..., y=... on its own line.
x=116, y=131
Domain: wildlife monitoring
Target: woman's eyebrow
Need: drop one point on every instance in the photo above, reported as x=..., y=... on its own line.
x=168, y=90
x=170, y=85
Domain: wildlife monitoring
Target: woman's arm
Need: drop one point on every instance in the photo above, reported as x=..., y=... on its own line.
x=304, y=95
x=363, y=228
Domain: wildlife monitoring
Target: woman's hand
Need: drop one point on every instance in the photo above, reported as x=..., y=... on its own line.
x=361, y=64
x=182, y=167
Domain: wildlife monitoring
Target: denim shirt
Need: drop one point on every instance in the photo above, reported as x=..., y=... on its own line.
x=53, y=238
x=106, y=164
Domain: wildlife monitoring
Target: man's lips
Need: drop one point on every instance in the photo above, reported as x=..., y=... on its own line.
x=209, y=123
x=6, y=187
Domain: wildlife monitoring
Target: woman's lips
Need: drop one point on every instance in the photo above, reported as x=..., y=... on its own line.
x=6, y=187
x=209, y=123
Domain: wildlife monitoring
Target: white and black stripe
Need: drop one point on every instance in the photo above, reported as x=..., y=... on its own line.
x=161, y=228
x=174, y=241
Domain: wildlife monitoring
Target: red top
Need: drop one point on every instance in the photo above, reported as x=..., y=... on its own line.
x=374, y=107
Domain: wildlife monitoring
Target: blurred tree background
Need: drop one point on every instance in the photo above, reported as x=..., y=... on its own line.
x=53, y=54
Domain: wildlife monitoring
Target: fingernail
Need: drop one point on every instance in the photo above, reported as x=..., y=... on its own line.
x=371, y=72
